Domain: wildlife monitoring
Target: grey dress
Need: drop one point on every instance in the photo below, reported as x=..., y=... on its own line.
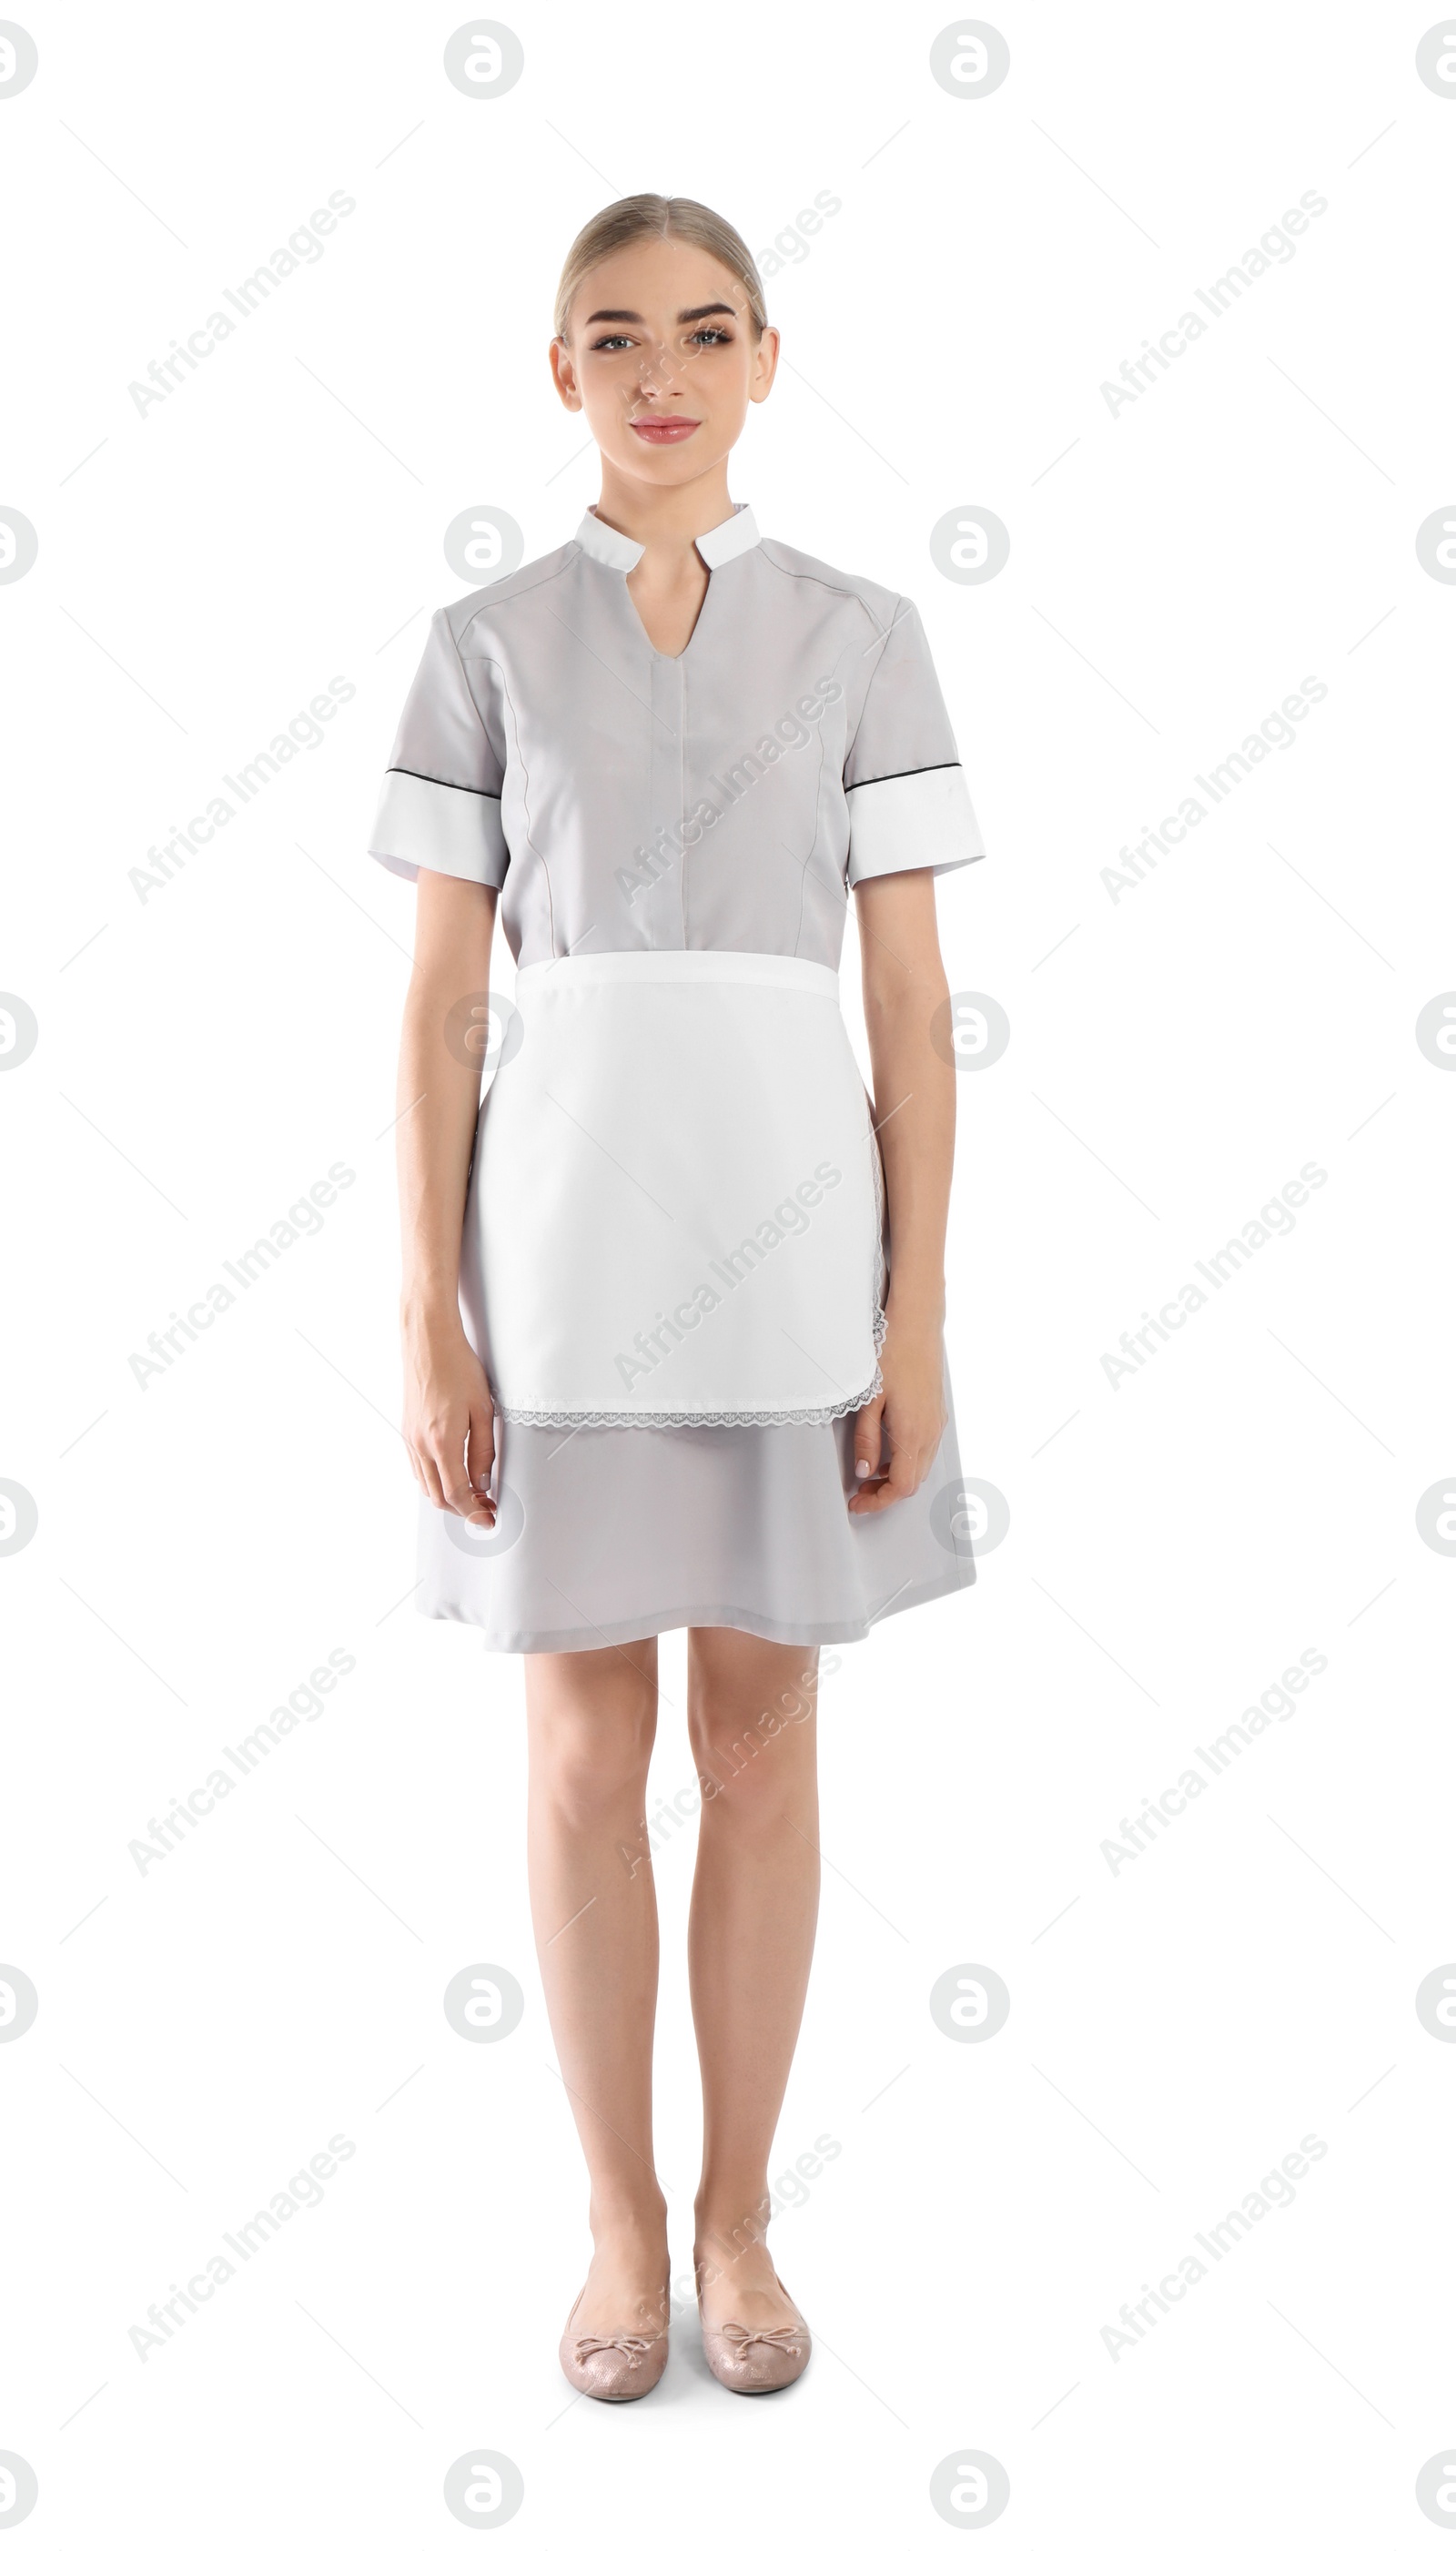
x=727, y=798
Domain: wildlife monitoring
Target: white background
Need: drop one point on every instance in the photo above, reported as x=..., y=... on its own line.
x=1177, y=1055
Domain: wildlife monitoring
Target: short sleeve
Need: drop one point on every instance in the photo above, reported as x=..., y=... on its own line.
x=909, y=803
x=439, y=804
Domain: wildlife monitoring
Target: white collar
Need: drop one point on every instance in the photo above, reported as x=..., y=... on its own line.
x=727, y=540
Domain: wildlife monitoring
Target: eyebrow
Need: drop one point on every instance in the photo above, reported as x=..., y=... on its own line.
x=708, y=310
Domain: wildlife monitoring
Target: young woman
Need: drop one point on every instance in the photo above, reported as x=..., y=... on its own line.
x=672, y=1301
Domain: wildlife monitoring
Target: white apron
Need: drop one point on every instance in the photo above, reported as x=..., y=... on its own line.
x=675, y=1204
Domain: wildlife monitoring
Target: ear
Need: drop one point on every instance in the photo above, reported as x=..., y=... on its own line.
x=563, y=375
x=765, y=365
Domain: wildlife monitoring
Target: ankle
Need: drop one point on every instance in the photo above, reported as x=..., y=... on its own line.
x=728, y=2229
x=628, y=2223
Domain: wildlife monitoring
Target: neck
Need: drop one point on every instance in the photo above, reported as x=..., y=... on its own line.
x=665, y=520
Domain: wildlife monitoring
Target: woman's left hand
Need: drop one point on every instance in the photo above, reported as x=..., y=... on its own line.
x=897, y=1434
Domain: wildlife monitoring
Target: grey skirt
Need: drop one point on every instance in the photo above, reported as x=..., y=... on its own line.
x=614, y=1533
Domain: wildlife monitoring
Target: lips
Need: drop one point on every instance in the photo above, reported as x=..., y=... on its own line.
x=664, y=428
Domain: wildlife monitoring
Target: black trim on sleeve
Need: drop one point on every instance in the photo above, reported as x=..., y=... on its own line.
x=900, y=774
x=429, y=777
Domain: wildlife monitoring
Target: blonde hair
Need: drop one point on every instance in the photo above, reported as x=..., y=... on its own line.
x=637, y=217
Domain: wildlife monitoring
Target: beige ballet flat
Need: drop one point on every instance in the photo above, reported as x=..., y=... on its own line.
x=623, y=2368
x=757, y=2360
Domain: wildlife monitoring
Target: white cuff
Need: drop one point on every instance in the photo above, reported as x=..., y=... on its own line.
x=918, y=819
x=427, y=824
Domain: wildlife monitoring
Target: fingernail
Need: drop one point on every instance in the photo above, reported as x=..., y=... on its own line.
x=861, y=1470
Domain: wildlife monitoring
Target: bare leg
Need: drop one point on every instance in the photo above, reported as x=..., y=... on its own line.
x=590, y=1720
x=750, y=1936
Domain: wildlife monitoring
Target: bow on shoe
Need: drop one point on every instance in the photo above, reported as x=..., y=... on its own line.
x=633, y=2348
x=785, y=2340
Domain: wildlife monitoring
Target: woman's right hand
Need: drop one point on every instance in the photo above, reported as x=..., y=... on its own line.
x=449, y=1418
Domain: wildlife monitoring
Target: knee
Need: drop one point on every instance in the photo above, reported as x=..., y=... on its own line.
x=750, y=1760
x=585, y=1755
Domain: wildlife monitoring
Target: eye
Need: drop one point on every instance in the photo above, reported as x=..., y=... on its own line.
x=604, y=345
x=710, y=335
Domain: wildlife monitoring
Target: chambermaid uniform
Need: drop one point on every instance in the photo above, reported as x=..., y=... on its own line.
x=675, y=1256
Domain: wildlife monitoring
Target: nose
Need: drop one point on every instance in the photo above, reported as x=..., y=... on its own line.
x=657, y=374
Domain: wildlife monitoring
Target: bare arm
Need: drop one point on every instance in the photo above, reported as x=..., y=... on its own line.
x=448, y=1422
x=905, y=983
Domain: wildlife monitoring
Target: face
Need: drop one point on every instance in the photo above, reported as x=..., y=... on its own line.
x=661, y=358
